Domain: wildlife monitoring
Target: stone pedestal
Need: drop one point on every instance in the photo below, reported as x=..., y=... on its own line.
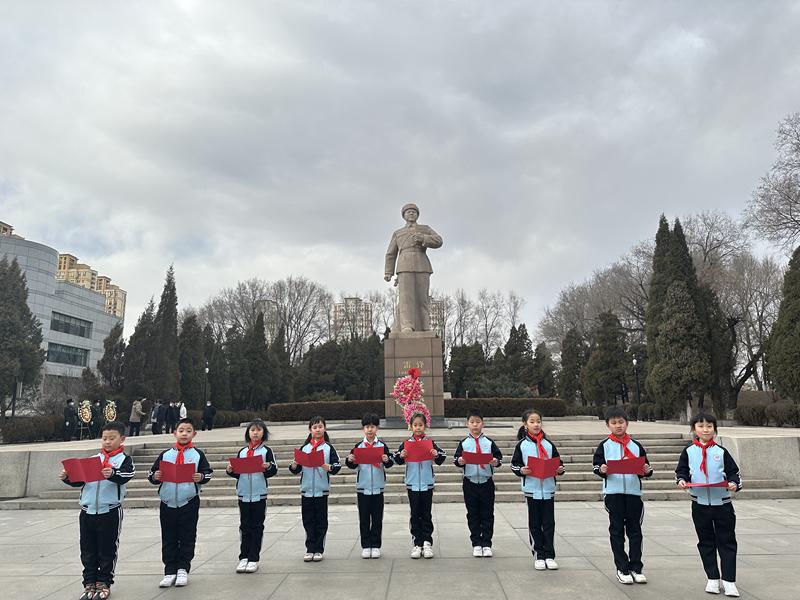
x=421, y=350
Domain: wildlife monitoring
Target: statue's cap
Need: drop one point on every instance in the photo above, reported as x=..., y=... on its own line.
x=406, y=207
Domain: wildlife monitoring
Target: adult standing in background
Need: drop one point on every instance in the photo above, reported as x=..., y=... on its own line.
x=171, y=417
x=182, y=412
x=70, y=419
x=135, y=420
x=209, y=412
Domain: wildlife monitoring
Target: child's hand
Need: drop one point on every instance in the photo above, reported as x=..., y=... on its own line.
x=682, y=484
x=561, y=470
x=525, y=471
x=326, y=467
x=157, y=475
x=293, y=465
x=731, y=486
x=384, y=458
x=647, y=469
x=434, y=453
x=404, y=453
x=63, y=475
x=229, y=469
x=266, y=465
x=495, y=462
x=351, y=457
x=461, y=461
x=604, y=468
x=197, y=477
x=107, y=472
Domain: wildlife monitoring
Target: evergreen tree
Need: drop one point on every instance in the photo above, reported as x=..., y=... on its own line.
x=191, y=363
x=136, y=376
x=21, y=355
x=165, y=354
x=682, y=366
x=783, y=352
x=573, y=358
x=111, y=366
x=467, y=365
x=544, y=370
x=719, y=344
x=317, y=372
x=92, y=389
x=519, y=356
x=282, y=383
x=241, y=381
x=263, y=365
x=603, y=377
x=663, y=275
x=218, y=378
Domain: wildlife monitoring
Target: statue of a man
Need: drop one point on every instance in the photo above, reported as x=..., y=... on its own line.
x=408, y=249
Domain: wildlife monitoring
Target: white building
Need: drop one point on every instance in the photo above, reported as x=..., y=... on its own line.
x=352, y=319
x=74, y=319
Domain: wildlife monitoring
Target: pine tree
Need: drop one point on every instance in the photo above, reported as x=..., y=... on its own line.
x=783, y=352
x=165, y=369
x=21, y=355
x=111, y=365
x=467, y=365
x=262, y=365
x=241, y=381
x=191, y=363
x=136, y=376
x=218, y=378
x=317, y=372
x=519, y=356
x=573, y=358
x=660, y=280
x=282, y=382
x=544, y=371
x=682, y=366
x=603, y=377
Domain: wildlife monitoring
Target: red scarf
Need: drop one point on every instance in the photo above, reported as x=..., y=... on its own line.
x=251, y=448
x=316, y=443
x=627, y=452
x=477, y=444
x=107, y=455
x=703, y=466
x=370, y=445
x=539, y=446
x=418, y=439
x=180, y=449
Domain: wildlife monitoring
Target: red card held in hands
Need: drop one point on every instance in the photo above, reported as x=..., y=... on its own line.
x=83, y=469
x=475, y=458
x=419, y=451
x=244, y=466
x=369, y=456
x=627, y=466
x=718, y=484
x=543, y=468
x=314, y=459
x=172, y=473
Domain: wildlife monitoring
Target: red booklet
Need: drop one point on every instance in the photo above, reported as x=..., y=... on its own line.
x=243, y=466
x=474, y=458
x=627, y=466
x=543, y=468
x=314, y=459
x=718, y=484
x=369, y=456
x=172, y=473
x=419, y=451
x=83, y=469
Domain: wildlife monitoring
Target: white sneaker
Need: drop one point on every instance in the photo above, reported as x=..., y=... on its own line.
x=170, y=579
x=308, y=557
x=712, y=587
x=624, y=578
x=182, y=578
x=317, y=556
x=487, y=552
x=376, y=553
x=416, y=552
x=427, y=550
x=539, y=565
x=252, y=567
x=366, y=553
x=551, y=564
x=242, y=566
x=477, y=551
x=730, y=588
x=638, y=577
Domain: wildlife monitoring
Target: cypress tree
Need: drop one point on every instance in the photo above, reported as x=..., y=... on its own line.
x=282, y=382
x=660, y=279
x=602, y=379
x=191, y=363
x=111, y=366
x=573, y=357
x=136, y=376
x=218, y=378
x=262, y=365
x=165, y=353
x=783, y=351
x=239, y=368
x=544, y=371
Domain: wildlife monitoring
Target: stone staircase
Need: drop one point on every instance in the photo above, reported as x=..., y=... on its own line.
x=578, y=484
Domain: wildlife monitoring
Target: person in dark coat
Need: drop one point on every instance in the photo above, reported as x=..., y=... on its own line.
x=209, y=412
x=97, y=422
x=171, y=417
x=70, y=419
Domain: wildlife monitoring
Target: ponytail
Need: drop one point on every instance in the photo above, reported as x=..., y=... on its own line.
x=521, y=433
x=325, y=437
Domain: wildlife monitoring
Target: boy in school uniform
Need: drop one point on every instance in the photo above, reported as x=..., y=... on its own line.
x=623, y=496
x=370, y=483
x=478, y=484
x=101, y=512
x=180, y=504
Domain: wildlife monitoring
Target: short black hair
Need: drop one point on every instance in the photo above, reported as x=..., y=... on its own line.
x=70, y=400
x=114, y=426
x=701, y=416
x=186, y=420
x=370, y=419
x=616, y=412
x=474, y=412
x=261, y=425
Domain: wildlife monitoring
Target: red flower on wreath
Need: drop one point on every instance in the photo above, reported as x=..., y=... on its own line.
x=414, y=373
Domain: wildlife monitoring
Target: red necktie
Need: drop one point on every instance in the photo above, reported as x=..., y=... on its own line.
x=539, y=446
x=180, y=449
x=418, y=439
x=703, y=466
x=107, y=455
x=251, y=449
x=627, y=453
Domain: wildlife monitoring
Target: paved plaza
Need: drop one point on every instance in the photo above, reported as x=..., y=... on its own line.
x=39, y=556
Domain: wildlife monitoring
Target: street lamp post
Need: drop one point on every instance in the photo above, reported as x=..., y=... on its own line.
x=205, y=382
x=636, y=373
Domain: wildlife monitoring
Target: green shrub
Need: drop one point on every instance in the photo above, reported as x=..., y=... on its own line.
x=783, y=413
x=578, y=410
x=647, y=411
x=632, y=410
x=504, y=407
x=323, y=396
x=754, y=415
x=33, y=429
x=303, y=411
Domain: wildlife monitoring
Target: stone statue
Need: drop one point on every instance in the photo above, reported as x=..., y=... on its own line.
x=408, y=249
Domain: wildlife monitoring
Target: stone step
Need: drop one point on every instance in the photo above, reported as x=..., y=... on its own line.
x=399, y=488
x=440, y=497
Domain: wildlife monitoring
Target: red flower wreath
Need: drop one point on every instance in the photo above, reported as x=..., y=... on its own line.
x=408, y=393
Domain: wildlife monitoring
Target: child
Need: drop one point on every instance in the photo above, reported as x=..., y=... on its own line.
x=478, y=485
x=180, y=504
x=419, y=481
x=101, y=512
x=712, y=509
x=539, y=493
x=370, y=482
x=623, y=496
x=315, y=485
x=251, y=488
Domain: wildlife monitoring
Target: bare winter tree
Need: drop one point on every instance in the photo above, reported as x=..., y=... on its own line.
x=464, y=319
x=490, y=321
x=774, y=208
x=301, y=307
x=714, y=239
x=514, y=303
x=237, y=306
x=384, y=308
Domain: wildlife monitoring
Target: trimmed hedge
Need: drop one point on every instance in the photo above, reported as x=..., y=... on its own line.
x=33, y=429
x=303, y=411
x=504, y=407
x=754, y=415
x=228, y=418
x=784, y=413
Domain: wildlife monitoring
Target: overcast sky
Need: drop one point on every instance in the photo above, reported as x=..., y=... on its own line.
x=541, y=140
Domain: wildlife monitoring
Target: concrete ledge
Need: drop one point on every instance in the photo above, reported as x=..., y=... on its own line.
x=776, y=457
x=14, y=474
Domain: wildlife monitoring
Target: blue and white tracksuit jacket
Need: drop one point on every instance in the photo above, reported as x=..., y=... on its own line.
x=478, y=473
x=618, y=484
x=252, y=487
x=419, y=476
x=315, y=482
x=371, y=479
x=533, y=487
x=176, y=495
x=100, y=497
x=720, y=466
